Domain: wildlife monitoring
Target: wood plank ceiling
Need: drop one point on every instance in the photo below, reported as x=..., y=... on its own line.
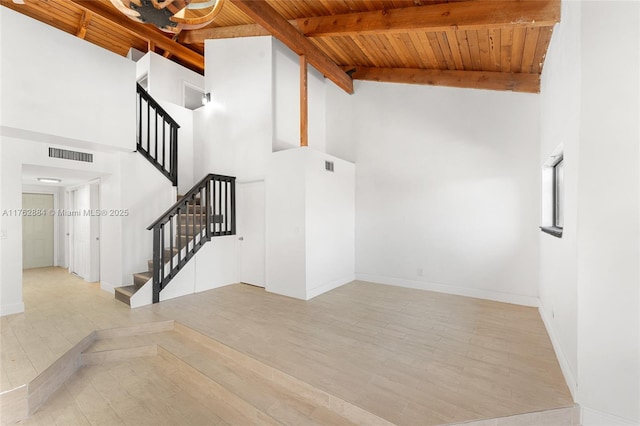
x=497, y=45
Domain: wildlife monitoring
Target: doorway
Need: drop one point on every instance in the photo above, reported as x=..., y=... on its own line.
x=84, y=232
x=251, y=232
x=37, y=230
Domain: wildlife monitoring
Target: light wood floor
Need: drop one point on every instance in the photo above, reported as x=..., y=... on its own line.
x=409, y=356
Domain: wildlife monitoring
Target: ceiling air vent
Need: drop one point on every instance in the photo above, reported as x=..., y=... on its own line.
x=70, y=155
x=328, y=166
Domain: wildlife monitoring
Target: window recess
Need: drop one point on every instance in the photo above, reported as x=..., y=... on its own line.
x=553, y=194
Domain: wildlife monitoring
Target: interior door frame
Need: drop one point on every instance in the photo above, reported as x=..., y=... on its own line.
x=70, y=191
x=241, y=186
x=56, y=220
x=70, y=229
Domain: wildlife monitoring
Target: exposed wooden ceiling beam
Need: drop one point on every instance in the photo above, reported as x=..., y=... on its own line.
x=143, y=31
x=467, y=15
x=517, y=82
x=199, y=36
x=304, y=102
x=471, y=15
x=279, y=27
x=84, y=23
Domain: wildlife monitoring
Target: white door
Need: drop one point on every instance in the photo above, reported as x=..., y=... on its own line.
x=37, y=231
x=94, y=234
x=80, y=233
x=250, y=212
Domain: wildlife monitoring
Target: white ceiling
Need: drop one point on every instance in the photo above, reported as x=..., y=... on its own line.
x=69, y=177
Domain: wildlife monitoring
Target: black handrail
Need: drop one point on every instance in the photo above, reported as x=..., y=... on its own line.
x=157, y=126
x=205, y=211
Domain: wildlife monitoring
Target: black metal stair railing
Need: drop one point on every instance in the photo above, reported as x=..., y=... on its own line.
x=157, y=135
x=207, y=210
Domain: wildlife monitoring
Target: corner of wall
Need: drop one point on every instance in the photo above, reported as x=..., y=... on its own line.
x=496, y=296
x=15, y=308
x=590, y=417
x=565, y=367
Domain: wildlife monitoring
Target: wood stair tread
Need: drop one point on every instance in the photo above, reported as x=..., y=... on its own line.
x=197, y=198
x=129, y=290
x=124, y=293
x=146, y=275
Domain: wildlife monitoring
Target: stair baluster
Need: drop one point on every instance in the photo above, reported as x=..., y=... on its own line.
x=155, y=153
x=205, y=213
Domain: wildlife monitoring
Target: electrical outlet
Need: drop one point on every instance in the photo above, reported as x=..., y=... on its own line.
x=419, y=272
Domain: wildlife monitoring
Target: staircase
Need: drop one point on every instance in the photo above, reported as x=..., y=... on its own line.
x=207, y=210
x=124, y=294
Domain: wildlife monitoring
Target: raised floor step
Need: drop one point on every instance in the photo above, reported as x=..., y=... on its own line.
x=254, y=389
x=167, y=373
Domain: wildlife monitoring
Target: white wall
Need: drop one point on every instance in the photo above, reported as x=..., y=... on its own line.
x=15, y=303
x=286, y=97
x=447, y=187
x=11, y=229
x=79, y=92
x=145, y=201
x=215, y=265
x=285, y=208
x=286, y=101
x=560, y=124
x=340, y=126
x=111, y=236
x=317, y=104
x=609, y=208
x=167, y=79
x=589, y=278
x=330, y=223
x=237, y=125
x=184, y=117
x=310, y=225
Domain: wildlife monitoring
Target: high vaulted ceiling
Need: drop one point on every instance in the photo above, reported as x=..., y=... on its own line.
x=498, y=45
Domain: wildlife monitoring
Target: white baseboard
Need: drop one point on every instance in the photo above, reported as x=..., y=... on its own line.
x=15, y=308
x=598, y=418
x=569, y=377
x=496, y=296
x=105, y=286
x=317, y=291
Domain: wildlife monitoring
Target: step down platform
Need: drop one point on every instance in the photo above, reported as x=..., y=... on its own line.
x=179, y=375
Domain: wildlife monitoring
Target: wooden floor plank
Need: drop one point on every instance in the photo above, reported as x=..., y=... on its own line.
x=406, y=355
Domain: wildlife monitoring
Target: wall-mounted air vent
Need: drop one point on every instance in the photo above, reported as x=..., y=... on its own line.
x=70, y=155
x=328, y=166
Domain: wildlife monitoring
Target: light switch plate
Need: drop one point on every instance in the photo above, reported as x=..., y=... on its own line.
x=3, y=234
